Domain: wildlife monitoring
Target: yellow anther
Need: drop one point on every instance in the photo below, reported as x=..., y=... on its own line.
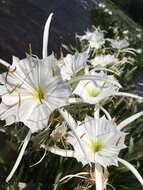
x=30, y=49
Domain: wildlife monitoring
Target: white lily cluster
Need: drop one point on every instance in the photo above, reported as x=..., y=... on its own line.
x=32, y=89
x=104, y=8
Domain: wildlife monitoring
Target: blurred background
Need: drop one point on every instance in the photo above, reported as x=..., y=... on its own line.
x=22, y=22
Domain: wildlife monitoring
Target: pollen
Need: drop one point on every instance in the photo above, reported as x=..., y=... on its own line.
x=95, y=146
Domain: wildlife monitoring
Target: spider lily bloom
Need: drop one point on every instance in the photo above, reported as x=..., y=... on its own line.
x=122, y=46
x=119, y=44
x=104, y=60
x=95, y=39
x=73, y=64
x=31, y=90
x=93, y=92
x=31, y=94
x=102, y=140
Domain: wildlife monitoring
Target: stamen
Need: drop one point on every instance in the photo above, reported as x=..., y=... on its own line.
x=30, y=49
x=38, y=95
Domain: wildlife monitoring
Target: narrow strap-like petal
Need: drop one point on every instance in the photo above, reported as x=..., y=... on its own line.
x=125, y=94
x=60, y=152
x=96, y=117
x=26, y=140
x=132, y=169
x=96, y=113
x=105, y=112
x=129, y=120
x=4, y=63
x=46, y=36
x=72, y=124
x=75, y=100
x=92, y=78
x=98, y=177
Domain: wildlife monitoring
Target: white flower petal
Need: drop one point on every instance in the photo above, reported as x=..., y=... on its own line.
x=101, y=140
x=46, y=35
x=125, y=94
x=129, y=120
x=72, y=64
x=95, y=39
x=72, y=124
x=33, y=91
x=132, y=169
x=61, y=152
x=98, y=177
x=104, y=60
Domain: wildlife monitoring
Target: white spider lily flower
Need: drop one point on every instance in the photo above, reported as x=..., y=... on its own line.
x=122, y=46
x=32, y=91
x=101, y=140
x=93, y=92
x=119, y=44
x=95, y=39
x=32, y=88
x=104, y=60
x=72, y=64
